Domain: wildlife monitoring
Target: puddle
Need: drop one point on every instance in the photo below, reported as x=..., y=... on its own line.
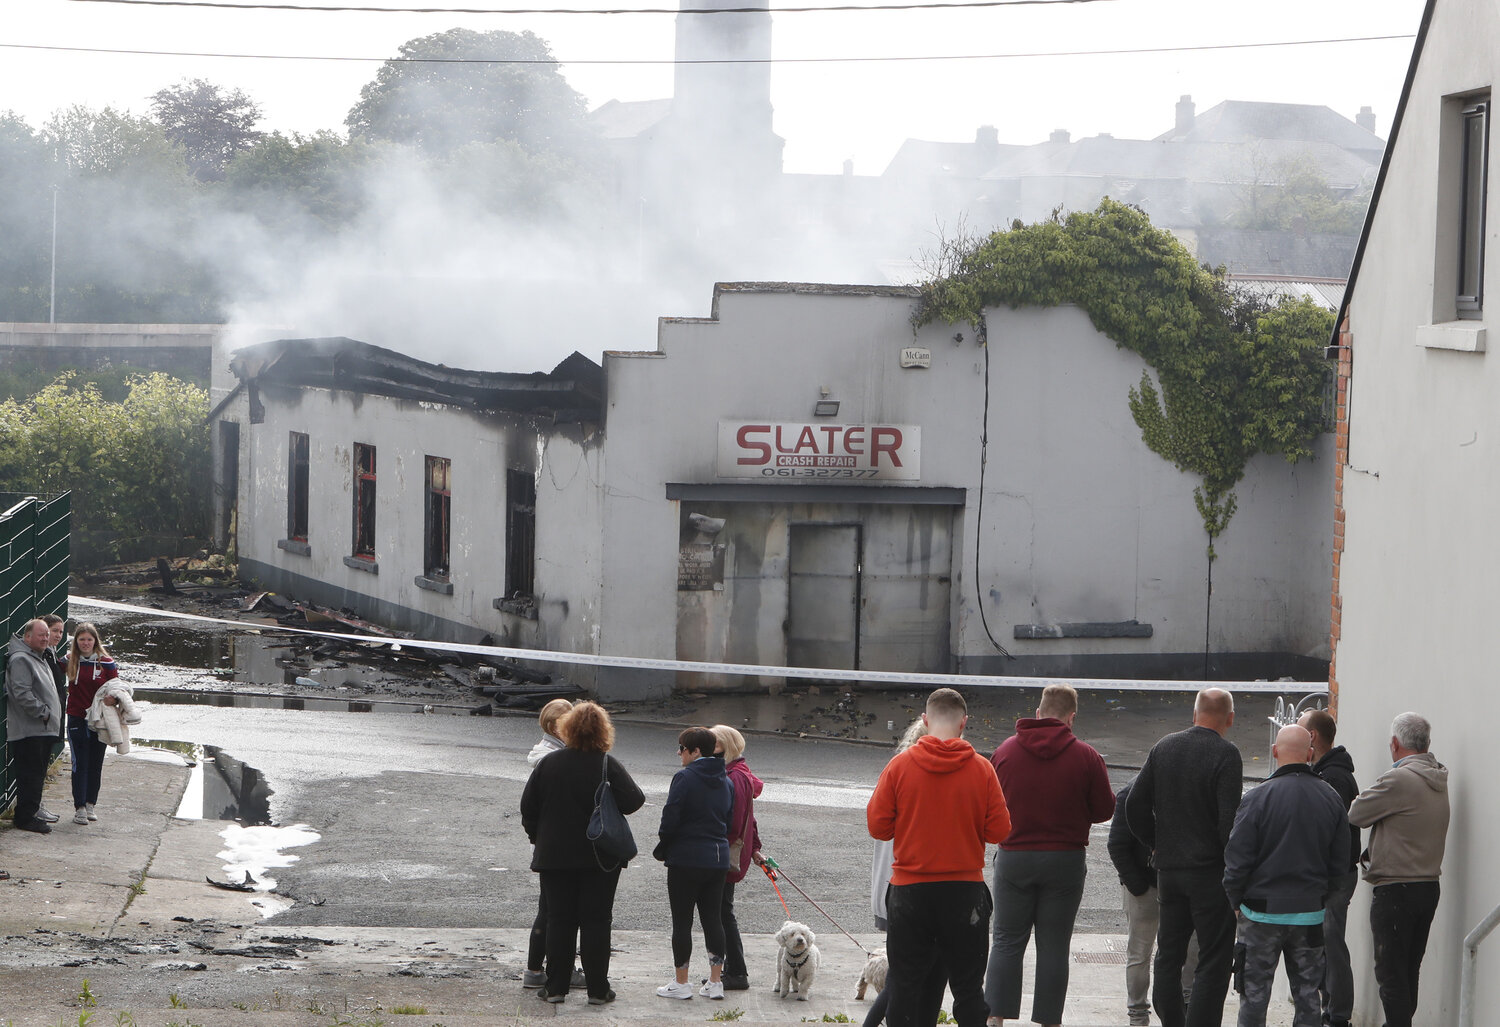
x=220, y=786
x=224, y=788
x=174, y=656
x=319, y=704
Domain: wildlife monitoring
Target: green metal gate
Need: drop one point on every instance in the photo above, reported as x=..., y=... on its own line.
x=34, y=535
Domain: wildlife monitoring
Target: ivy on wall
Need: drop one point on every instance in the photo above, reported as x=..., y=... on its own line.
x=1235, y=375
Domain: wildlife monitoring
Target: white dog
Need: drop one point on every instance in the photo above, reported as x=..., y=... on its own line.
x=873, y=975
x=796, y=959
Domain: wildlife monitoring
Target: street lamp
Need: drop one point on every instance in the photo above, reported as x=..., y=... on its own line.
x=52, y=286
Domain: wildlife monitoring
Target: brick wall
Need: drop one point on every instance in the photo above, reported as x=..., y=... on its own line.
x=1341, y=459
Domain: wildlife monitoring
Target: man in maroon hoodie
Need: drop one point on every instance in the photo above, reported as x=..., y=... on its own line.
x=1056, y=787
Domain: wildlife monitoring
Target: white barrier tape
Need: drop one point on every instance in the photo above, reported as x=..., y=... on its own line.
x=885, y=677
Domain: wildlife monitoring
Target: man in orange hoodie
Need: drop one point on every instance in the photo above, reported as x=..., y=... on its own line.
x=940, y=803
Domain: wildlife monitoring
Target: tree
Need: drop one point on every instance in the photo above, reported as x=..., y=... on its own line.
x=1235, y=376
x=460, y=86
x=26, y=179
x=301, y=182
x=95, y=143
x=135, y=467
x=1293, y=193
x=208, y=122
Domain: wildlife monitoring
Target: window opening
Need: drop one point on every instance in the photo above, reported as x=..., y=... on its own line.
x=520, y=533
x=296, y=487
x=438, y=519
x=364, y=500
x=1471, y=209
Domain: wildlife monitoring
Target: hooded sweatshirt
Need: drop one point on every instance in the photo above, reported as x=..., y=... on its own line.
x=546, y=747
x=695, y=820
x=1337, y=768
x=742, y=826
x=1055, y=785
x=33, y=708
x=941, y=803
x=1406, y=810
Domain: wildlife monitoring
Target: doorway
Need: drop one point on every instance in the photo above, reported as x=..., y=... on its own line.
x=823, y=598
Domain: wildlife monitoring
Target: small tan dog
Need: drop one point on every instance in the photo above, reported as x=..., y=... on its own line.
x=796, y=960
x=873, y=975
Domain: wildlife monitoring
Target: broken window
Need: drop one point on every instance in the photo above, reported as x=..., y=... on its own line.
x=364, y=500
x=439, y=500
x=520, y=533
x=296, y=487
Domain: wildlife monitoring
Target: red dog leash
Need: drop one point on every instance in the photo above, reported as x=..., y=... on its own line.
x=769, y=865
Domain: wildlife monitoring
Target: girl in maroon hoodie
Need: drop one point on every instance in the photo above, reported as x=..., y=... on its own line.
x=89, y=667
x=744, y=846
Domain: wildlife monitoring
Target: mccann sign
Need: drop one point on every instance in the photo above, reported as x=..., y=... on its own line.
x=771, y=451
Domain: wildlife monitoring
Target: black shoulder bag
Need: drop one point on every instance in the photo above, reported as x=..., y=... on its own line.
x=608, y=830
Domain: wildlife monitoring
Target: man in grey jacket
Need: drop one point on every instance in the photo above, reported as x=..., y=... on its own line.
x=1290, y=840
x=33, y=716
x=1406, y=810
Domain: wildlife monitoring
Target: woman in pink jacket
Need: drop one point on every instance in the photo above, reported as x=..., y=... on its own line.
x=744, y=847
x=89, y=667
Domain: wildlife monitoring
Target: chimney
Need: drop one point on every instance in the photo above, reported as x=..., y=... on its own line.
x=1059, y=135
x=987, y=137
x=1365, y=119
x=1185, y=114
x=848, y=169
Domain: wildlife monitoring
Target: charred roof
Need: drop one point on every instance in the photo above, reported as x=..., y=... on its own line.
x=573, y=391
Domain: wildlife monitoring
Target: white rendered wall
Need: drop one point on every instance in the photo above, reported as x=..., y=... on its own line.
x=1081, y=521
x=1421, y=559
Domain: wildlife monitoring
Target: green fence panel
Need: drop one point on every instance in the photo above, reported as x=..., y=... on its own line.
x=34, y=536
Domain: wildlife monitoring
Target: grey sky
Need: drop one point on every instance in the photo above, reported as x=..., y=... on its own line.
x=826, y=112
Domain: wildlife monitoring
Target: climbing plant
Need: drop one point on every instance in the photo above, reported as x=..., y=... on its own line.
x=1234, y=375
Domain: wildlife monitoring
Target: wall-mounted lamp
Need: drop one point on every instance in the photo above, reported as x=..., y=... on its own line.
x=825, y=407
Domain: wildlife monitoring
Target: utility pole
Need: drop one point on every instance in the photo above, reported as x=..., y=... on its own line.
x=52, y=287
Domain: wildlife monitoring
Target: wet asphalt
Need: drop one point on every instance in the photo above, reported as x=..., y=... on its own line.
x=418, y=812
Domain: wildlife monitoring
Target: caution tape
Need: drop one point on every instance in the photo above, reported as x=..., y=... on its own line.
x=883, y=677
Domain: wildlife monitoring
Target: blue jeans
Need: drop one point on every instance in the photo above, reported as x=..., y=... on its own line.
x=88, y=761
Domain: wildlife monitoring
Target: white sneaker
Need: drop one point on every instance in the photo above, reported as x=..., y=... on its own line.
x=80, y=816
x=672, y=989
x=89, y=809
x=712, y=989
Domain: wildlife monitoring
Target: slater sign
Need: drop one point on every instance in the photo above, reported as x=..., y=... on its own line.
x=771, y=451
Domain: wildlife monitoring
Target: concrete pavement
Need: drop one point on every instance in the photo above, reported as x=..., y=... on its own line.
x=123, y=905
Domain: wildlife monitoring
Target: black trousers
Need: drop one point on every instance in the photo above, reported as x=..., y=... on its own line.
x=29, y=758
x=734, y=947
x=1400, y=917
x=1192, y=901
x=944, y=924
x=937, y=983
x=580, y=904
x=689, y=887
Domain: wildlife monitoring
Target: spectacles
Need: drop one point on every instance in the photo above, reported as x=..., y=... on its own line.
x=682, y=748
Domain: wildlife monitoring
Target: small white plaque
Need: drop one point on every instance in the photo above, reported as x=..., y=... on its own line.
x=916, y=356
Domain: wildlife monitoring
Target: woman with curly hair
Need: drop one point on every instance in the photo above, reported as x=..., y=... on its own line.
x=578, y=888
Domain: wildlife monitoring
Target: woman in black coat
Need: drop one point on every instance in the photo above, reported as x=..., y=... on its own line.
x=580, y=891
x=695, y=847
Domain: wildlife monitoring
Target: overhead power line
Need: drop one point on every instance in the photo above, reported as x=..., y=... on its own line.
x=766, y=60
x=342, y=8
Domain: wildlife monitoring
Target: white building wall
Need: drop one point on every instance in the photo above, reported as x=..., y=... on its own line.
x=1081, y=522
x=1420, y=562
x=481, y=447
